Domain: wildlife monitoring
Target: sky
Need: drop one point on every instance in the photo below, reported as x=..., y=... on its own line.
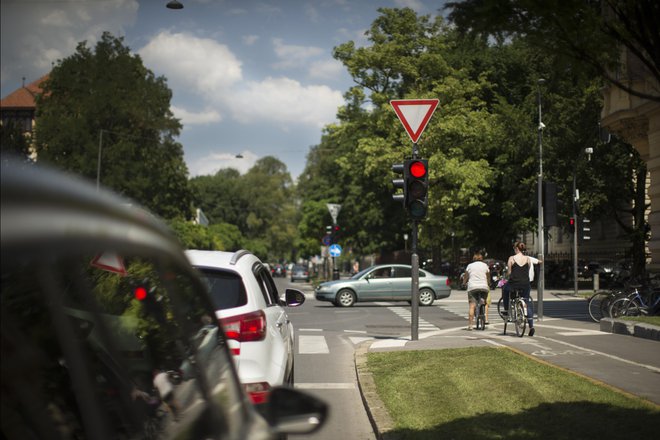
x=253, y=78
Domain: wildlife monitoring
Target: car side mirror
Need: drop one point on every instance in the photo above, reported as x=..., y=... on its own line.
x=290, y=411
x=294, y=297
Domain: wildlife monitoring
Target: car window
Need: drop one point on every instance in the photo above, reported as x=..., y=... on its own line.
x=403, y=272
x=94, y=343
x=382, y=272
x=226, y=288
x=266, y=284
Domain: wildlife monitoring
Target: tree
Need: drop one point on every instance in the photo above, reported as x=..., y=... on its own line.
x=14, y=141
x=589, y=32
x=256, y=210
x=106, y=101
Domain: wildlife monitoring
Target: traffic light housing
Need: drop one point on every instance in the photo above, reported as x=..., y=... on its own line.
x=152, y=304
x=400, y=168
x=571, y=224
x=416, y=172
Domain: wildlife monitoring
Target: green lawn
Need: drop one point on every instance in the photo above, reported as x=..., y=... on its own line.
x=655, y=320
x=496, y=393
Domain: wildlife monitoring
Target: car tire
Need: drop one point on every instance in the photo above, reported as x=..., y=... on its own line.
x=345, y=298
x=426, y=297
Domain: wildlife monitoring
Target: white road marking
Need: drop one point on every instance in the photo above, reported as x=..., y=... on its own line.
x=355, y=340
x=326, y=386
x=312, y=345
x=610, y=356
x=310, y=330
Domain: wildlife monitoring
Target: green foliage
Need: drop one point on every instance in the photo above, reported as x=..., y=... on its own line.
x=106, y=100
x=255, y=211
x=14, y=141
x=193, y=236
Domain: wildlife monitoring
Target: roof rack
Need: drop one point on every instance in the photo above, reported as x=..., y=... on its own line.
x=237, y=256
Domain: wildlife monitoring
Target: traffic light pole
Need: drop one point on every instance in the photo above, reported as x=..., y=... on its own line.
x=414, y=301
x=414, y=262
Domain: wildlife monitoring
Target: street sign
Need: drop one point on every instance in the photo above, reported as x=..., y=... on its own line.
x=111, y=262
x=414, y=114
x=334, y=209
x=335, y=250
x=326, y=240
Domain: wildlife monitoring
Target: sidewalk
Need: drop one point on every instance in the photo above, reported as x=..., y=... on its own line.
x=601, y=367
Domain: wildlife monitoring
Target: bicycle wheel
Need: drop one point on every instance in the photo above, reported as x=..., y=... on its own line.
x=519, y=320
x=599, y=305
x=481, y=317
x=625, y=307
x=500, y=308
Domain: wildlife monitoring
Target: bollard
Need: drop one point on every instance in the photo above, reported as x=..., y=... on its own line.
x=596, y=282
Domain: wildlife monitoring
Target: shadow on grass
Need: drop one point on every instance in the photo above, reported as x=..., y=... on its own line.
x=557, y=421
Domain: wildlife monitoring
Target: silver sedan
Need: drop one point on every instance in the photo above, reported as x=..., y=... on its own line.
x=385, y=282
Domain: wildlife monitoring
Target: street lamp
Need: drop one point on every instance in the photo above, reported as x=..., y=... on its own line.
x=173, y=4
x=541, y=234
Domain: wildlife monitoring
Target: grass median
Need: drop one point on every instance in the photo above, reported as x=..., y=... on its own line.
x=496, y=393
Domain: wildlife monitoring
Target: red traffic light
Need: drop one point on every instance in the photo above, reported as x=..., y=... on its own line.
x=417, y=169
x=140, y=293
x=572, y=221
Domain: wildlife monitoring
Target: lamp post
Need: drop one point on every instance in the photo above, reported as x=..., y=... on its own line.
x=541, y=232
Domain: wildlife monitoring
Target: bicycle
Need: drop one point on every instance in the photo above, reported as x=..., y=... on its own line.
x=516, y=312
x=480, y=313
x=634, y=305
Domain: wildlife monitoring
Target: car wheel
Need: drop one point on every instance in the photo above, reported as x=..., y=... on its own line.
x=426, y=297
x=345, y=298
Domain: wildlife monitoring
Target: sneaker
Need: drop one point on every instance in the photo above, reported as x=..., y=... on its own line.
x=532, y=331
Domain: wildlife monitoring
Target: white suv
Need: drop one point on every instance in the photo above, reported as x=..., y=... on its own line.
x=257, y=326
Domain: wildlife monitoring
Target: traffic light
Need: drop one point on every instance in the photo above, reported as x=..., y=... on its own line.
x=416, y=172
x=549, y=203
x=151, y=303
x=400, y=168
x=336, y=234
x=571, y=225
x=586, y=229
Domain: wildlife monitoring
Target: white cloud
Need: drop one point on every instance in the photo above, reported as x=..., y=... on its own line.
x=293, y=55
x=204, y=64
x=210, y=164
x=326, y=69
x=286, y=100
x=249, y=40
x=415, y=5
x=207, y=116
x=36, y=34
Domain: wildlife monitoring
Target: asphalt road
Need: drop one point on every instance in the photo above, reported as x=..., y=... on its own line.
x=327, y=337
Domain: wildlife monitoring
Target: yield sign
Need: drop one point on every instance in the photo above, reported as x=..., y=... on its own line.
x=111, y=262
x=414, y=114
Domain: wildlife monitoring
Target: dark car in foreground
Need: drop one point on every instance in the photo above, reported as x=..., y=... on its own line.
x=385, y=282
x=98, y=303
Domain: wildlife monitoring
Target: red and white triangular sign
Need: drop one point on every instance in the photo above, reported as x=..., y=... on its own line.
x=111, y=262
x=414, y=114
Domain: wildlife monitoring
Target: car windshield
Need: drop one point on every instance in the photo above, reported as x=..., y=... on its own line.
x=361, y=273
x=226, y=288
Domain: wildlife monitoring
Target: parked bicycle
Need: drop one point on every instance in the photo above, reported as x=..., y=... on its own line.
x=635, y=305
x=516, y=312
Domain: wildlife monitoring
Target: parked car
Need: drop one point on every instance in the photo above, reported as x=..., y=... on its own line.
x=299, y=273
x=96, y=298
x=385, y=282
x=278, y=270
x=247, y=303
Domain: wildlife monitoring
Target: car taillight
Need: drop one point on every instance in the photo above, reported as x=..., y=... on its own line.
x=247, y=327
x=448, y=282
x=257, y=391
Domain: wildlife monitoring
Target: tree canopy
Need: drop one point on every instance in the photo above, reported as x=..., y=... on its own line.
x=105, y=103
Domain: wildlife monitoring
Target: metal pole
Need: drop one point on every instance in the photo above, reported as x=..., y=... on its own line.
x=414, y=300
x=541, y=232
x=98, y=163
x=575, y=237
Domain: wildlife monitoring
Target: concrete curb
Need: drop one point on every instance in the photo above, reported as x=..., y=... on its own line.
x=380, y=419
x=630, y=328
